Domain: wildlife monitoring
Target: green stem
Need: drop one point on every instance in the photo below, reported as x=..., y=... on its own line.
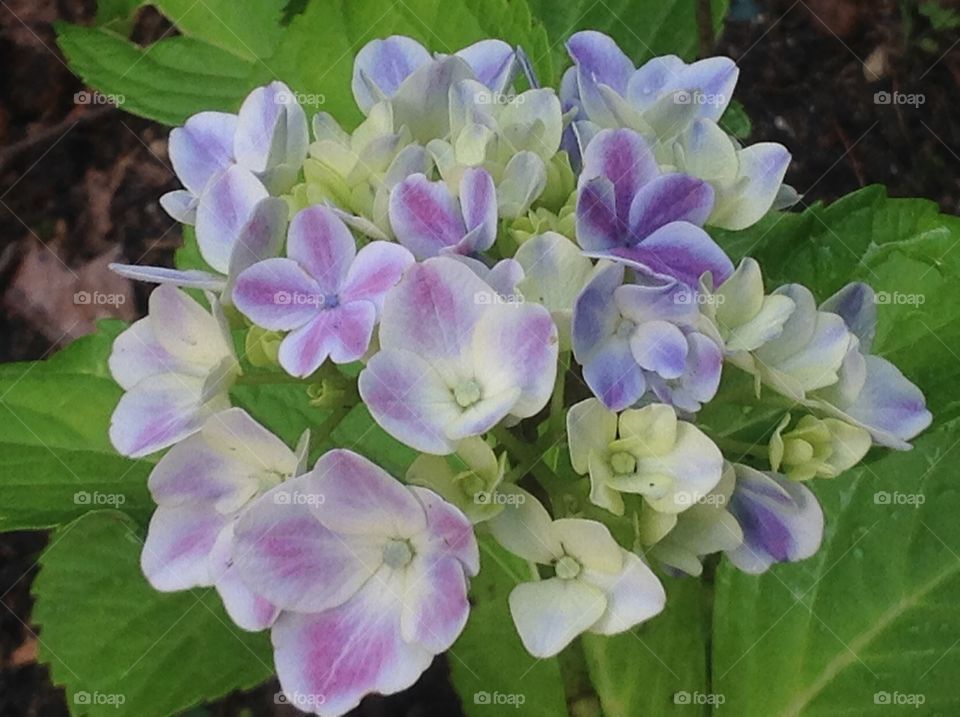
x=555, y=426
x=729, y=445
x=266, y=379
x=528, y=460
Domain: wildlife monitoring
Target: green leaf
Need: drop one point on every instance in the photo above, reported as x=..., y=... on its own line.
x=360, y=433
x=490, y=668
x=654, y=668
x=871, y=616
x=642, y=28
x=247, y=28
x=904, y=248
x=123, y=649
x=167, y=81
x=56, y=460
x=315, y=56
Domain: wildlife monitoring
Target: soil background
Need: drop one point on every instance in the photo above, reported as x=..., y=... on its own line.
x=79, y=184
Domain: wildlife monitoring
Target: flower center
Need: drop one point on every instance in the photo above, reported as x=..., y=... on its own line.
x=567, y=568
x=397, y=553
x=625, y=328
x=467, y=393
x=623, y=463
x=330, y=301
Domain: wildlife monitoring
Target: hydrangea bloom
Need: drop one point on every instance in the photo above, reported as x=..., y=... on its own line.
x=597, y=587
x=817, y=447
x=176, y=366
x=634, y=337
x=454, y=360
x=201, y=487
x=268, y=138
x=326, y=293
x=628, y=210
x=647, y=451
x=370, y=578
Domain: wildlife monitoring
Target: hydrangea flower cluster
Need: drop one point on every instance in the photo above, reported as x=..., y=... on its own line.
x=486, y=272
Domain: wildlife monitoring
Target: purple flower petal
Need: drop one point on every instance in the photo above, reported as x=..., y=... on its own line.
x=595, y=315
x=450, y=530
x=651, y=81
x=277, y=294
x=856, y=304
x=136, y=354
x=670, y=198
x=202, y=148
x=382, y=65
x=680, y=250
x=321, y=243
x=623, y=157
x=180, y=205
x=377, y=269
x=261, y=237
x=271, y=129
x=599, y=62
x=223, y=211
x=247, y=609
x=360, y=498
x=409, y=399
x=713, y=77
x=780, y=518
x=493, y=62
x=425, y=216
x=179, y=541
x=316, y=672
x=435, y=605
x=341, y=333
x=660, y=347
x=290, y=558
x=190, y=279
x=598, y=226
x=613, y=375
x=433, y=310
x=478, y=200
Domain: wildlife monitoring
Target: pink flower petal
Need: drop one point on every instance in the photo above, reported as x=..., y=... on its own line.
x=277, y=294
x=224, y=209
x=425, y=216
x=321, y=243
x=202, y=148
x=450, y=530
x=377, y=269
x=179, y=542
x=435, y=605
x=341, y=333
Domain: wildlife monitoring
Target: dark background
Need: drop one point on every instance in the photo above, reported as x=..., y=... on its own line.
x=79, y=185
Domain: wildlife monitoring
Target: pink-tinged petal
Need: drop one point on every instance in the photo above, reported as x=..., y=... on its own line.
x=261, y=237
x=409, y=399
x=614, y=376
x=158, y=412
x=186, y=330
x=478, y=201
x=360, y=498
x=599, y=57
x=660, y=347
x=202, y=148
x=321, y=243
x=450, y=531
x=680, y=250
x=382, y=65
x=277, y=294
x=516, y=346
x=715, y=78
x=180, y=205
x=223, y=211
x=377, y=269
x=287, y=556
x=341, y=333
x=435, y=605
x=189, y=279
x=425, y=216
x=623, y=157
x=549, y=614
x=493, y=62
x=598, y=226
x=633, y=595
x=176, y=554
x=651, y=81
x=271, y=129
x=319, y=675
x=247, y=609
x=136, y=354
x=670, y=198
x=856, y=304
x=433, y=310
x=670, y=301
